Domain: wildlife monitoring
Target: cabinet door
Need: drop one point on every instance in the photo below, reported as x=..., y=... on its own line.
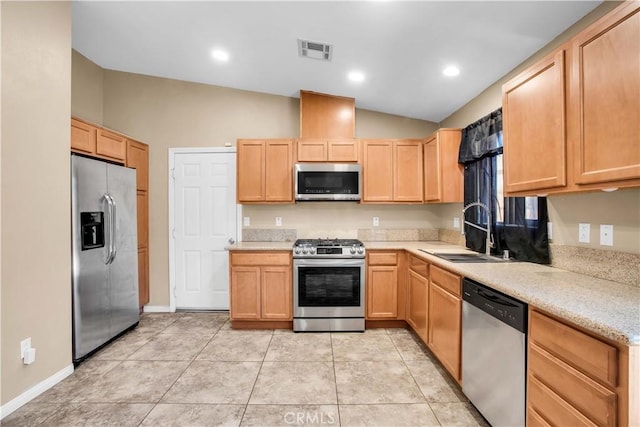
x=276, y=293
x=279, y=171
x=432, y=173
x=138, y=158
x=312, y=150
x=142, y=207
x=343, y=150
x=382, y=292
x=407, y=171
x=245, y=293
x=83, y=137
x=418, y=304
x=143, y=276
x=445, y=311
x=377, y=171
x=111, y=145
x=605, y=98
x=534, y=127
x=250, y=171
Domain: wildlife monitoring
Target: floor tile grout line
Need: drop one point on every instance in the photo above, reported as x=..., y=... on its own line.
x=335, y=378
x=246, y=405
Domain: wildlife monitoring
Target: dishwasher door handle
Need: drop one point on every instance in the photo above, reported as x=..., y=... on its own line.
x=495, y=298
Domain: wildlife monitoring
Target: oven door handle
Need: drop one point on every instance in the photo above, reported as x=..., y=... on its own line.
x=335, y=262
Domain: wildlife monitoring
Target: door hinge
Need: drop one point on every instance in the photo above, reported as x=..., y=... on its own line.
x=173, y=174
x=173, y=233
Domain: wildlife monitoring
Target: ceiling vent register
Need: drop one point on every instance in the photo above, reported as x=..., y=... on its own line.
x=315, y=50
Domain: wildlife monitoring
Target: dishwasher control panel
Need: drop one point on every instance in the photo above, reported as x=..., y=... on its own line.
x=503, y=307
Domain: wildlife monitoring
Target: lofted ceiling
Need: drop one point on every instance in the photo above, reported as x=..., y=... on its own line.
x=400, y=47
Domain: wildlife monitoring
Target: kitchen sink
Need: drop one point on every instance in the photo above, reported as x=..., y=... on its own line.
x=465, y=257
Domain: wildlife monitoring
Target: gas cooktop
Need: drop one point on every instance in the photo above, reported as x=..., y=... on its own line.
x=328, y=248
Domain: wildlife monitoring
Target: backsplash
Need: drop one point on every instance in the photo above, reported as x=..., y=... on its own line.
x=619, y=267
x=397, y=234
x=269, y=235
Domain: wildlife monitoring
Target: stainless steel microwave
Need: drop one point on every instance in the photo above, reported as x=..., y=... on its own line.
x=328, y=181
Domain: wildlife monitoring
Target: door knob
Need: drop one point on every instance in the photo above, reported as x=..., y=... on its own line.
x=232, y=240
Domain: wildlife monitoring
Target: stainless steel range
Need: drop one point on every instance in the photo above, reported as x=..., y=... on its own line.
x=328, y=285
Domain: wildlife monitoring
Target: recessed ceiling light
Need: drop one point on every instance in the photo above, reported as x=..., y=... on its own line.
x=220, y=55
x=451, y=71
x=356, y=76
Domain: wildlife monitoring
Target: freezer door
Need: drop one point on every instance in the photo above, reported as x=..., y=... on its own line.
x=90, y=291
x=123, y=270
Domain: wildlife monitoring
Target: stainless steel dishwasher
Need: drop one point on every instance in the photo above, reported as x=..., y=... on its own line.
x=494, y=343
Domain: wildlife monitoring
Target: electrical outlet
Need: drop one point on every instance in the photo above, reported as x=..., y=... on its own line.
x=24, y=346
x=584, y=233
x=550, y=230
x=246, y=221
x=376, y=221
x=456, y=222
x=278, y=221
x=606, y=235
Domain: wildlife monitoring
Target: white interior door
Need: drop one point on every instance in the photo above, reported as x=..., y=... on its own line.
x=205, y=216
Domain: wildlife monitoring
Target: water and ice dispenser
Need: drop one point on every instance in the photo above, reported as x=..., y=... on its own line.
x=92, y=225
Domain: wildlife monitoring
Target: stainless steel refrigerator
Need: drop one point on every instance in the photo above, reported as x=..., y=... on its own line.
x=105, y=253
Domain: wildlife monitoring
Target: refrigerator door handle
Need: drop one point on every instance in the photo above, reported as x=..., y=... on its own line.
x=111, y=221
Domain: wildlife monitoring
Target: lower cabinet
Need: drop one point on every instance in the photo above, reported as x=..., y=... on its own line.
x=418, y=296
x=260, y=285
x=445, y=323
x=382, y=284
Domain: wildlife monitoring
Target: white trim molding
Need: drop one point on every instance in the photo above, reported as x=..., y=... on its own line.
x=158, y=309
x=35, y=391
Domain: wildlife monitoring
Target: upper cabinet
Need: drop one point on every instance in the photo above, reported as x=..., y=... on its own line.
x=604, y=98
x=326, y=116
x=265, y=171
x=327, y=150
x=97, y=142
x=571, y=120
x=443, y=175
x=138, y=158
x=392, y=171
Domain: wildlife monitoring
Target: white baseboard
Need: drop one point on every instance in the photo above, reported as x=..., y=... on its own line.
x=35, y=391
x=157, y=309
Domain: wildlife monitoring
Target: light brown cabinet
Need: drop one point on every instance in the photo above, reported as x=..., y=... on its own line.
x=83, y=137
x=260, y=286
x=445, y=319
x=265, y=171
x=327, y=150
x=392, y=171
x=418, y=297
x=570, y=120
x=97, y=142
x=326, y=116
x=576, y=378
x=443, y=175
x=382, y=284
x=111, y=145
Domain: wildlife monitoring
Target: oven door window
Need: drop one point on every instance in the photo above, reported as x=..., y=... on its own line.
x=329, y=286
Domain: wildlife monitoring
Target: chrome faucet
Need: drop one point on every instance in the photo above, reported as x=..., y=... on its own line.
x=489, y=240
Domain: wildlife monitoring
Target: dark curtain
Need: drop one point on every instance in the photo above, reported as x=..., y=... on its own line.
x=525, y=238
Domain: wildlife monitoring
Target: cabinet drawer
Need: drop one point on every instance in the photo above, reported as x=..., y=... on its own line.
x=587, y=354
x=383, y=258
x=592, y=399
x=446, y=280
x=419, y=266
x=553, y=408
x=261, y=258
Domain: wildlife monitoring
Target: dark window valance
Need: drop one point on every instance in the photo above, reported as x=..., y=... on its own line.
x=482, y=138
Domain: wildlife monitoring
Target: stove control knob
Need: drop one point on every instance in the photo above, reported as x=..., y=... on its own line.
x=296, y=250
x=360, y=250
x=352, y=250
x=312, y=251
x=305, y=251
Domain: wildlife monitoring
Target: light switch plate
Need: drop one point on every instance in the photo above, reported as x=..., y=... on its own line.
x=246, y=221
x=278, y=221
x=456, y=222
x=24, y=346
x=550, y=230
x=584, y=233
x=376, y=221
x=606, y=235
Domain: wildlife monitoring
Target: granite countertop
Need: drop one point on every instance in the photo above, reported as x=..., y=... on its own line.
x=608, y=308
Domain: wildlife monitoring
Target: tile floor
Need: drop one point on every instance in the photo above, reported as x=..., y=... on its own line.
x=191, y=369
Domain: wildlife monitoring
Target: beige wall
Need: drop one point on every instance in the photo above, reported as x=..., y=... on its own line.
x=87, y=89
x=168, y=113
x=35, y=197
x=621, y=209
